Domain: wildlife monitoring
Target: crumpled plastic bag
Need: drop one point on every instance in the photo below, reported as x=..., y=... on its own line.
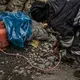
x=18, y=27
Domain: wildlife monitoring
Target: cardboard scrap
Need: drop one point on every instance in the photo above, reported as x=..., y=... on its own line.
x=35, y=43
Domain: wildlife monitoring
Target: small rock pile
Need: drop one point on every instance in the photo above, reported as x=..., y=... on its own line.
x=16, y=5
x=42, y=56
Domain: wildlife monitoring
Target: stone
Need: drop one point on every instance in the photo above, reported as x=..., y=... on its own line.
x=47, y=64
x=1, y=72
x=16, y=5
x=42, y=66
x=38, y=74
x=34, y=64
x=2, y=62
x=28, y=71
x=3, y=2
x=27, y=6
x=44, y=50
x=2, y=7
x=51, y=58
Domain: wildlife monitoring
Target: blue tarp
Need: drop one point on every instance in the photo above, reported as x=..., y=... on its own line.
x=18, y=27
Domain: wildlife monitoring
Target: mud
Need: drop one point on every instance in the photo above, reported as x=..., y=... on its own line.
x=16, y=68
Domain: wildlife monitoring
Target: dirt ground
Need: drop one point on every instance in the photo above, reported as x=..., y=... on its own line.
x=64, y=72
x=17, y=68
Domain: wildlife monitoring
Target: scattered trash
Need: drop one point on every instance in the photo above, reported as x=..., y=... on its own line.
x=18, y=27
x=35, y=43
x=45, y=25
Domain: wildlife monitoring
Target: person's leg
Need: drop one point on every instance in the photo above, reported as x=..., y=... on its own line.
x=75, y=48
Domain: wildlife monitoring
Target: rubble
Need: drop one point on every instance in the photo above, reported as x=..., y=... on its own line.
x=42, y=56
x=16, y=5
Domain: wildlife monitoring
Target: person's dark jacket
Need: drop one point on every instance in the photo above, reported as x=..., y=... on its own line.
x=61, y=18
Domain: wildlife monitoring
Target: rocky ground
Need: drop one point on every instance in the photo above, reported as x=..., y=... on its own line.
x=15, y=5
x=18, y=68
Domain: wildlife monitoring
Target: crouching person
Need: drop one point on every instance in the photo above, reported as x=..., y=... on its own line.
x=60, y=16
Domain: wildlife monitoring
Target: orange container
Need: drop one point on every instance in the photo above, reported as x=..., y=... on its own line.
x=3, y=36
x=1, y=25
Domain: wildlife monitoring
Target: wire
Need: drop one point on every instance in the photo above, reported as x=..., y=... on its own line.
x=43, y=70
